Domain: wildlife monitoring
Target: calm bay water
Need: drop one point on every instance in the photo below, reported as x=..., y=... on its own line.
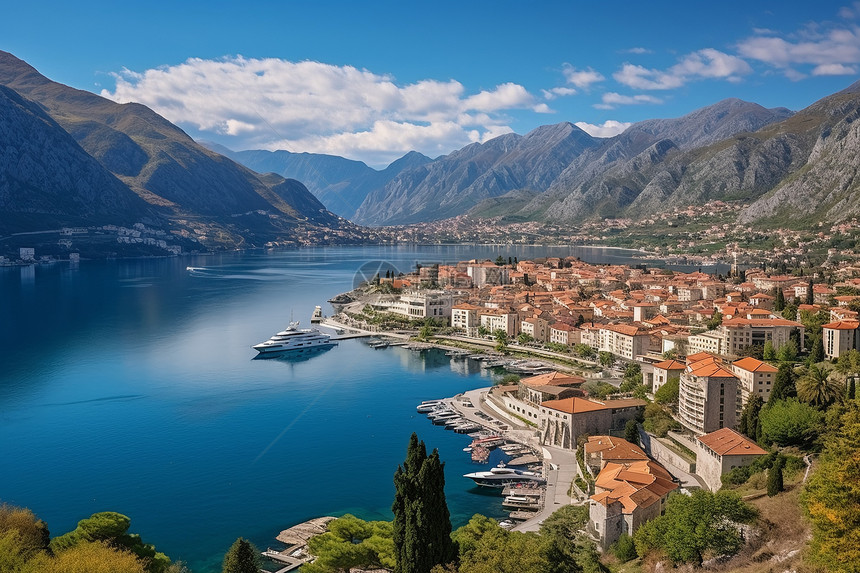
x=130, y=386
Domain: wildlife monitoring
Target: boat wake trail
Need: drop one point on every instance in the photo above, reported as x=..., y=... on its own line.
x=293, y=422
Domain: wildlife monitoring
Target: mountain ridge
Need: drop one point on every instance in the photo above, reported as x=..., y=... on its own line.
x=179, y=179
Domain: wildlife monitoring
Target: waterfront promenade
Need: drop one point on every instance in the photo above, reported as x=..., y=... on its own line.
x=560, y=466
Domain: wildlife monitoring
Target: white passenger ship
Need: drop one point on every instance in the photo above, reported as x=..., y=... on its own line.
x=293, y=338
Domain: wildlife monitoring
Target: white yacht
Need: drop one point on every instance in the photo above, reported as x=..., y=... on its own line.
x=293, y=338
x=501, y=477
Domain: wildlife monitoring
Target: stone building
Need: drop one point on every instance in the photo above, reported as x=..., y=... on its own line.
x=722, y=451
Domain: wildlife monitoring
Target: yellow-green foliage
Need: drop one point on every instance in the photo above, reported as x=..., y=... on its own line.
x=352, y=542
x=31, y=534
x=832, y=498
x=96, y=557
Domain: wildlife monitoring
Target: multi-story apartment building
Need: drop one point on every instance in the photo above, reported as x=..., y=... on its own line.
x=535, y=327
x=754, y=378
x=840, y=337
x=494, y=319
x=465, y=317
x=736, y=334
x=624, y=340
x=707, y=395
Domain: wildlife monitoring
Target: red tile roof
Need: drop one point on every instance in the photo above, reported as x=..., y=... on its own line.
x=843, y=325
x=750, y=364
x=581, y=405
x=727, y=442
x=670, y=365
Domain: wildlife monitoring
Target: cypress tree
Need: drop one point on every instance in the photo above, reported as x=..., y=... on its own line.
x=242, y=557
x=779, y=299
x=810, y=294
x=816, y=355
x=750, y=416
x=631, y=432
x=422, y=523
x=852, y=389
x=774, y=477
x=783, y=385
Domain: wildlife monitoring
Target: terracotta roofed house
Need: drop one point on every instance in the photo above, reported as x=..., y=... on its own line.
x=720, y=452
x=627, y=495
x=561, y=422
x=600, y=450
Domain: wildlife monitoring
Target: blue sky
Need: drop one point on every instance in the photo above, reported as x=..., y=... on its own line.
x=373, y=80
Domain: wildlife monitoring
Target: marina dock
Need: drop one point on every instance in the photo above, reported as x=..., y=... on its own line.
x=296, y=539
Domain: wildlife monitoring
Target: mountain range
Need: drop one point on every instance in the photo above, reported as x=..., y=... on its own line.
x=78, y=158
x=789, y=168
x=74, y=158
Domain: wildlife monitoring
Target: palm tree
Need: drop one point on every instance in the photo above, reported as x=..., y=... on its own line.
x=818, y=389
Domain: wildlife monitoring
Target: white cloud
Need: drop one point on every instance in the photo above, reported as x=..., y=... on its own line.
x=708, y=63
x=611, y=100
x=553, y=93
x=609, y=128
x=311, y=106
x=638, y=50
x=641, y=78
x=834, y=70
x=827, y=48
x=581, y=78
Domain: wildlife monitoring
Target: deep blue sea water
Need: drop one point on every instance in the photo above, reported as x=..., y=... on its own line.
x=130, y=386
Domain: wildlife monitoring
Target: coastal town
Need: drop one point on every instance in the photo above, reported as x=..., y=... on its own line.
x=593, y=346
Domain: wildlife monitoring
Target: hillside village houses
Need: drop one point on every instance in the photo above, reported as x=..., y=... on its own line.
x=630, y=488
x=636, y=315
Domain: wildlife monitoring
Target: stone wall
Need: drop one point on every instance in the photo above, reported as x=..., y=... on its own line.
x=660, y=452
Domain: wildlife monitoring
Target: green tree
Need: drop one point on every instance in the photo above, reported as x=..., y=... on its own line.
x=810, y=293
x=483, y=330
x=778, y=299
x=749, y=423
x=783, y=384
x=667, y=394
x=716, y=320
x=851, y=393
x=790, y=311
x=769, y=352
x=631, y=432
x=788, y=352
x=813, y=321
x=112, y=528
x=525, y=338
x=242, y=557
x=31, y=533
x=583, y=350
x=818, y=388
x=624, y=549
x=790, y=423
x=422, y=523
x=352, y=543
x=774, y=477
x=816, y=353
x=632, y=377
x=696, y=527
x=606, y=358
x=832, y=497
x=88, y=557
